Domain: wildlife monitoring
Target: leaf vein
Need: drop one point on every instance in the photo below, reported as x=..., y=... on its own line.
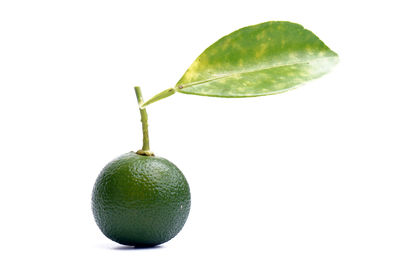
x=218, y=77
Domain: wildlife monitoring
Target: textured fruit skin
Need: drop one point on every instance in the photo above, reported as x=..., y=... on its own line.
x=140, y=200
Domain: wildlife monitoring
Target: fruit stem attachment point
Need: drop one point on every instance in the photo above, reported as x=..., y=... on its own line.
x=145, y=127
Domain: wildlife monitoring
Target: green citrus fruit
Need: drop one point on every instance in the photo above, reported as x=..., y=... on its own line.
x=140, y=200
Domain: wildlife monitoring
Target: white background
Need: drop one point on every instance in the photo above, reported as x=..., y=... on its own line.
x=301, y=183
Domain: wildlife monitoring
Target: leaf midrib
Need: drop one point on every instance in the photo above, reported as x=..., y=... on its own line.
x=249, y=71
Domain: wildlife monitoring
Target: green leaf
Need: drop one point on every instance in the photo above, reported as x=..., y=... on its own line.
x=263, y=59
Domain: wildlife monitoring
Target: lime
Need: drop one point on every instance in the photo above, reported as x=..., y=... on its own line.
x=140, y=200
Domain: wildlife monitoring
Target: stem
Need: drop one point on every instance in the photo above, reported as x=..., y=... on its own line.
x=159, y=96
x=145, y=127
